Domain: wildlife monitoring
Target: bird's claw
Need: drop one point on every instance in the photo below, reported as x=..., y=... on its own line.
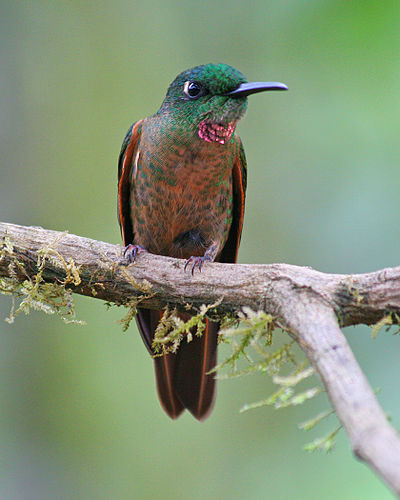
x=197, y=261
x=131, y=251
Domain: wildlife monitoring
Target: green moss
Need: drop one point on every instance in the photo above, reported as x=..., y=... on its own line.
x=389, y=320
x=253, y=351
x=326, y=443
x=172, y=329
x=33, y=292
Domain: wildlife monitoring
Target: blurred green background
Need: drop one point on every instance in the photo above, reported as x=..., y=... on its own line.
x=79, y=414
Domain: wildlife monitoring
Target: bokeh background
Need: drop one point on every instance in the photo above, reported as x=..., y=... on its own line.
x=79, y=416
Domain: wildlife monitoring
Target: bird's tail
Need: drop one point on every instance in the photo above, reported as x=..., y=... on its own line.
x=182, y=378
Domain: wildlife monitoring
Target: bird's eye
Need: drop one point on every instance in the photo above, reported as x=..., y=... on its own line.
x=193, y=89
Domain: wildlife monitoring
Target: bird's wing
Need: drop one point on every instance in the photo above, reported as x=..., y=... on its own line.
x=239, y=176
x=125, y=163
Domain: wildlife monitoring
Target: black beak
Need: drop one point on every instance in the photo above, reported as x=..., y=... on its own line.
x=246, y=89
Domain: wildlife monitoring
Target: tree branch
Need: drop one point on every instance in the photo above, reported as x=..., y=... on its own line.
x=309, y=303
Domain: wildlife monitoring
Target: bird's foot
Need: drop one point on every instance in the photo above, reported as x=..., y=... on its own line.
x=131, y=251
x=197, y=261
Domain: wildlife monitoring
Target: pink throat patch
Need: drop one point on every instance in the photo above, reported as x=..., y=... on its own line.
x=212, y=132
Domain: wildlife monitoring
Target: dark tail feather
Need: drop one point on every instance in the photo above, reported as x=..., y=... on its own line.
x=182, y=380
x=164, y=366
x=196, y=388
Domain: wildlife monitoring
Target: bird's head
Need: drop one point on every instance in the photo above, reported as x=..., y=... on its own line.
x=210, y=99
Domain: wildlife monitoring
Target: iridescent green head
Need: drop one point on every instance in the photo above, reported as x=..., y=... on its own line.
x=209, y=100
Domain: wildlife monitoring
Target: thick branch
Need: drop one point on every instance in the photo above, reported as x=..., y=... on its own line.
x=358, y=298
x=308, y=302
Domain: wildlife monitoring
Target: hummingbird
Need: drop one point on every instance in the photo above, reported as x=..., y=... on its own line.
x=181, y=193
